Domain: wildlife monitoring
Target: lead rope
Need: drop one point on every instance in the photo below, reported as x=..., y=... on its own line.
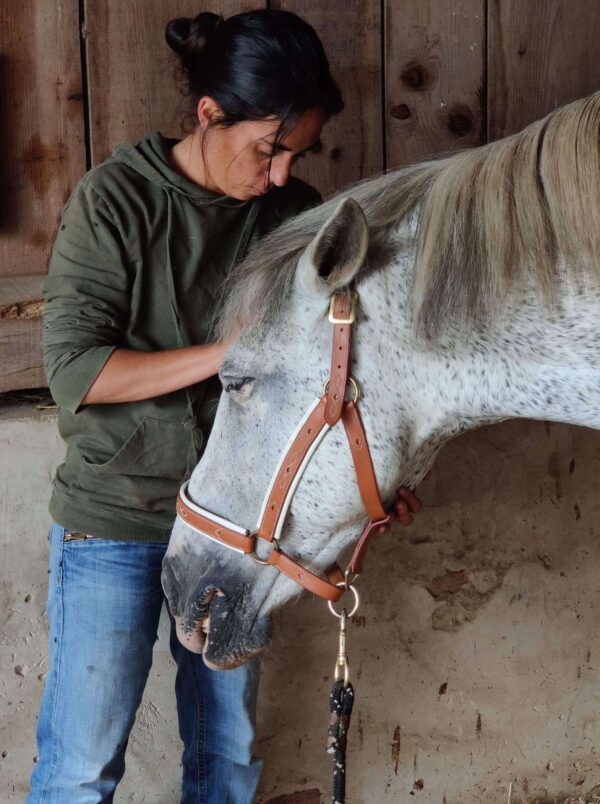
x=341, y=700
x=340, y=703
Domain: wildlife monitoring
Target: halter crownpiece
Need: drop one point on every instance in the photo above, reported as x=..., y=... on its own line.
x=323, y=414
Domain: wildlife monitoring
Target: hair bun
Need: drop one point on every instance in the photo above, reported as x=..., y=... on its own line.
x=187, y=37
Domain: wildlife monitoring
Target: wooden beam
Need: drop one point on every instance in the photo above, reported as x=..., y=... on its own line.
x=21, y=354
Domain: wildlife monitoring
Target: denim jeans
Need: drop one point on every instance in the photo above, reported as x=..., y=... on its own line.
x=104, y=603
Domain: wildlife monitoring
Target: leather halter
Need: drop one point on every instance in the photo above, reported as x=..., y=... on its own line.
x=324, y=414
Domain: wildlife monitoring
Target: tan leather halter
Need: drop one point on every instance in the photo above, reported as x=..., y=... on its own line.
x=323, y=415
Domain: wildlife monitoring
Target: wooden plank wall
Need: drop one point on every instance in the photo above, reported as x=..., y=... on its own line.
x=131, y=68
x=539, y=60
x=353, y=142
x=434, y=78
x=41, y=157
x=419, y=79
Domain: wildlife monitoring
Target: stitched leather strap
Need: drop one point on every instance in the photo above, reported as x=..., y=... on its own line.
x=213, y=528
x=371, y=529
x=340, y=359
x=276, y=503
x=367, y=483
x=363, y=464
x=310, y=581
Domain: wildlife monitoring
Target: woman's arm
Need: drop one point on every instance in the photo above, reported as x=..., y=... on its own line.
x=129, y=375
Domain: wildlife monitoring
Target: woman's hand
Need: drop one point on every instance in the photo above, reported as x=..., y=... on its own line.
x=405, y=505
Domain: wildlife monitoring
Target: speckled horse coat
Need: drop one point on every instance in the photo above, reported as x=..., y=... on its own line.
x=479, y=301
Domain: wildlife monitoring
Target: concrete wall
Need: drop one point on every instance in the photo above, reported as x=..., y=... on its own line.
x=475, y=654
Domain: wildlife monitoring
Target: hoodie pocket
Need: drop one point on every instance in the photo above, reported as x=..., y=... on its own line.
x=156, y=448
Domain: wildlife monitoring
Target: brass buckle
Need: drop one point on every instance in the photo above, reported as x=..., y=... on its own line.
x=351, y=318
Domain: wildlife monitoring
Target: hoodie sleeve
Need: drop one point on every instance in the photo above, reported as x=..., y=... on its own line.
x=87, y=297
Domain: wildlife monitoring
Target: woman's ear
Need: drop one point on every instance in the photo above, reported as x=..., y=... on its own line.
x=207, y=107
x=337, y=252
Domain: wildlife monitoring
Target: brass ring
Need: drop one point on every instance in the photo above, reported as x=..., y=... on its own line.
x=258, y=560
x=352, y=382
x=354, y=607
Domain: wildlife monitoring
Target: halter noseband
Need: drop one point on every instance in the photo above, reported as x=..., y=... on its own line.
x=324, y=414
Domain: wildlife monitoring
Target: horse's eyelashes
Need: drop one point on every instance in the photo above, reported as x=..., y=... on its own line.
x=235, y=383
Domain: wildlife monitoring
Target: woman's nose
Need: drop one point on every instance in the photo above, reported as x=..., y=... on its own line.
x=280, y=172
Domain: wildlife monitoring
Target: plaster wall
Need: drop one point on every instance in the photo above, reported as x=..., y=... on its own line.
x=475, y=654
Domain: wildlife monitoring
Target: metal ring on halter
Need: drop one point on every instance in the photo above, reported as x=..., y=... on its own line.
x=352, y=382
x=253, y=555
x=354, y=609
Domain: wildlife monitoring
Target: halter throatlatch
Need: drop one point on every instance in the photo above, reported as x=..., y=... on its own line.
x=324, y=414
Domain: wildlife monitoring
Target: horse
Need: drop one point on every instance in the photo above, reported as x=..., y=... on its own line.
x=477, y=276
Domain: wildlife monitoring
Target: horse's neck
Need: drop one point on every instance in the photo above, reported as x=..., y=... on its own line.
x=527, y=364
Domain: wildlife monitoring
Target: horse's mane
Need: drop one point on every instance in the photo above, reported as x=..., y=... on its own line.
x=485, y=218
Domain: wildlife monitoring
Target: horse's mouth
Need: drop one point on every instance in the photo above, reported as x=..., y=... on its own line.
x=235, y=641
x=193, y=639
x=194, y=636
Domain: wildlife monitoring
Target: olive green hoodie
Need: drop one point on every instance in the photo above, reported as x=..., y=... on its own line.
x=140, y=255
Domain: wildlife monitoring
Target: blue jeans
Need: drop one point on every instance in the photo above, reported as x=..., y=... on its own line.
x=104, y=603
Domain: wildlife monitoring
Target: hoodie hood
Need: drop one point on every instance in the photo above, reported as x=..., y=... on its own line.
x=150, y=158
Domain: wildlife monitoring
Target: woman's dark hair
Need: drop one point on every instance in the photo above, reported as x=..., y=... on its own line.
x=255, y=65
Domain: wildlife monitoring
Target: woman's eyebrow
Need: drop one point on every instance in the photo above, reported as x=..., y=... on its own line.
x=277, y=146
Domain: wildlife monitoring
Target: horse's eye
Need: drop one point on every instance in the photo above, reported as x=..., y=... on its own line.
x=238, y=388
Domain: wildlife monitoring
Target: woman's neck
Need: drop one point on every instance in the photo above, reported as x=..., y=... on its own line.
x=186, y=159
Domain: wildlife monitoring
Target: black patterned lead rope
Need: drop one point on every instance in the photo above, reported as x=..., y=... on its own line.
x=340, y=706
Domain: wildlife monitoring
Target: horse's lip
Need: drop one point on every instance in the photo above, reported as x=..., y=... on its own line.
x=232, y=664
x=195, y=639
x=228, y=657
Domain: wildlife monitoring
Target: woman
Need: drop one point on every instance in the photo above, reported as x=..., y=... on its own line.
x=144, y=244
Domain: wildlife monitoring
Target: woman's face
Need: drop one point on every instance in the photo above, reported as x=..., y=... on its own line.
x=237, y=159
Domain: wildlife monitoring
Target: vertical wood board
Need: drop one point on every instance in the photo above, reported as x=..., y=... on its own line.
x=434, y=77
x=132, y=70
x=542, y=54
x=42, y=144
x=353, y=140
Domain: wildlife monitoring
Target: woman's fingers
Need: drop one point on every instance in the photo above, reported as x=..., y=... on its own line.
x=411, y=500
x=405, y=505
x=403, y=514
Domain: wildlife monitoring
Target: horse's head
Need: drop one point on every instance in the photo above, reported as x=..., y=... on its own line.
x=472, y=271
x=271, y=376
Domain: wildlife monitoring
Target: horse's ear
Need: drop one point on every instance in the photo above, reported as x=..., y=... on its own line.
x=337, y=251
